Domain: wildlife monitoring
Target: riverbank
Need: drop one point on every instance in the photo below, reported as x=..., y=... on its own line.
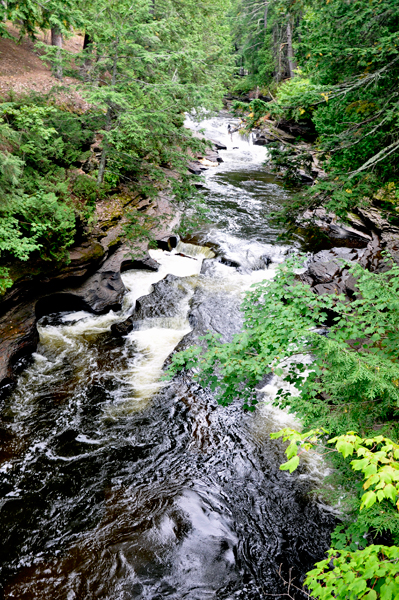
x=91, y=278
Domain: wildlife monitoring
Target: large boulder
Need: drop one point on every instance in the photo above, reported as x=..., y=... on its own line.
x=324, y=272
x=164, y=301
x=328, y=273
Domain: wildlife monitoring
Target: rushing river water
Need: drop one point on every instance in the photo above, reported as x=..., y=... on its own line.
x=117, y=486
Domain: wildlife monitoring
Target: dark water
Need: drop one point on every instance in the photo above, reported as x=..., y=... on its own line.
x=113, y=487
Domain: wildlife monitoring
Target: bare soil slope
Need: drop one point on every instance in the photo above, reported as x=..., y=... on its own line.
x=21, y=68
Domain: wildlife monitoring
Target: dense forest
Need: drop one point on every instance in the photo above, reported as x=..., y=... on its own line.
x=140, y=70
x=326, y=71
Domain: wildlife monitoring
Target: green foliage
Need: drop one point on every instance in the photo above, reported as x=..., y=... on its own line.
x=139, y=234
x=378, y=460
x=86, y=187
x=153, y=69
x=38, y=143
x=141, y=71
x=260, y=35
x=345, y=87
x=354, y=374
x=371, y=574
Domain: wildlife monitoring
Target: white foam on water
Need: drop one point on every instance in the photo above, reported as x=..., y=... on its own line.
x=198, y=252
x=154, y=345
x=240, y=148
x=271, y=418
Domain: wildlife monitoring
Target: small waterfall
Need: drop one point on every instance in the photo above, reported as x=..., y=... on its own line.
x=198, y=252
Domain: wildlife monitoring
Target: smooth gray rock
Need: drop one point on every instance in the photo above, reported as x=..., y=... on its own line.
x=324, y=272
x=164, y=301
x=123, y=328
x=146, y=263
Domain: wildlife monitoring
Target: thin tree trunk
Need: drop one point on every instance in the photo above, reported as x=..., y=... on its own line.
x=290, y=51
x=265, y=15
x=56, y=40
x=87, y=42
x=103, y=159
x=277, y=51
x=280, y=57
x=87, y=49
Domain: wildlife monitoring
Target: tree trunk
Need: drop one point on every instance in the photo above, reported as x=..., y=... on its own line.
x=56, y=40
x=87, y=61
x=277, y=51
x=265, y=15
x=290, y=51
x=103, y=160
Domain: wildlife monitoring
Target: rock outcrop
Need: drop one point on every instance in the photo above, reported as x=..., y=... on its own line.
x=91, y=281
x=164, y=301
x=328, y=273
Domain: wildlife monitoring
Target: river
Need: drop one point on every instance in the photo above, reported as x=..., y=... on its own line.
x=115, y=485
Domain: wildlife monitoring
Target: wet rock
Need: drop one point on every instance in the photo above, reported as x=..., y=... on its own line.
x=329, y=288
x=306, y=177
x=90, y=281
x=164, y=301
x=206, y=265
x=168, y=242
x=19, y=339
x=123, y=328
x=373, y=218
x=229, y=262
x=267, y=260
x=306, y=279
x=327, y=273
x=387, y=233
x=33, y=298
x=212, y=312
x=61, y=302
x=219, y=145
x=323, y=272
x=104, y=290
x=304, y=129
x=328, y=222
x=350, y=286
x=270, y=132
x=261, y=140
x=146, y=263
x=196, y=168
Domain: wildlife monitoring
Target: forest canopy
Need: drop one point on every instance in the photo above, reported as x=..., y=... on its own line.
x=332, y=67
x=142, y=67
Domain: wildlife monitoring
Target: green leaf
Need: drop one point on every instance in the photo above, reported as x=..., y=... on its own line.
x=368, y=499
x=290, y=465
x=345, y=448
